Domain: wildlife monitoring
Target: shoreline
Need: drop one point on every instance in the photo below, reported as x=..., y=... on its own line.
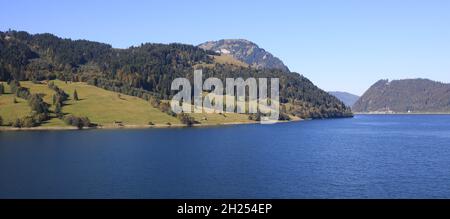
x=112, y=127
x=401, y=113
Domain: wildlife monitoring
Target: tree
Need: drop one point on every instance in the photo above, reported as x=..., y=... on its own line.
x=14, y=85
x=17, y=123
x=58, y=110
x=75, y=95
x=28, y=122
x=85, y=121
x=154, y=101
x=255, y=116
x=186, y=119
x=37, y=104
x=55, y=99
x=2, y=89
x=60, y=96
x=22, y=92
x=38, y=118
x=77, y=121
x=1, y=121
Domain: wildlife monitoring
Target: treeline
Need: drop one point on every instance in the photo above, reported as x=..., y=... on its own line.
x=58, y=98
x=145, y=71
x=407, y=95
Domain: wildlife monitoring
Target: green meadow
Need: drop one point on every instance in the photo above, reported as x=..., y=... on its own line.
x=102, y=107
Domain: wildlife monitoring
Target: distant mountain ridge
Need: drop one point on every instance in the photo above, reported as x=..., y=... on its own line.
x=245, y=51
x=408, y=95
x=348, y=98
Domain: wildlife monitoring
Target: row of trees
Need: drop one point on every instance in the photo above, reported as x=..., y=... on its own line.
x=78, y=122
x=257, y=116
x=39, y=109
x=58, y=98
x=33, y=120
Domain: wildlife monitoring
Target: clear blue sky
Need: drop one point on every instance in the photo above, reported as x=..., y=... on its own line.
x=339, y=45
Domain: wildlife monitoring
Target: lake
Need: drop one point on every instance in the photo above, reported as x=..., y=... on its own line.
x=368, y=156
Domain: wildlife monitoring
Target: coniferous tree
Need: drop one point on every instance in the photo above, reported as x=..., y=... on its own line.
x=28, y=122
x=14, y=85
x=75, y=95
x=17, y=123
x=2, y=89
x=37, y=104
x=54, y=99
x=58, y=110
x=79, y=122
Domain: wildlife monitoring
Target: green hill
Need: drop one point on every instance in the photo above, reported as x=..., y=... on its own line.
x=102, y=107
x=11, y=110
x=146, y=71
x=409, y=95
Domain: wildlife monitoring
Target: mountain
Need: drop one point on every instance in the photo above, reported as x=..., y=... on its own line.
x=348, y=98
x=409, y=95
x=247, y=52
x=147, y=71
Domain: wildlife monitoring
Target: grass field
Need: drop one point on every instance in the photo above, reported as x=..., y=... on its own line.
x=102, y=107
x=106, y=107
x=9, y=110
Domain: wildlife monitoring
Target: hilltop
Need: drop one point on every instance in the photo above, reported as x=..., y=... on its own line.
x=247, y=52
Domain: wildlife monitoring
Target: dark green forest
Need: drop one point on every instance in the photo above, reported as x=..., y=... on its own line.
x=407, y=95
x=145, y=71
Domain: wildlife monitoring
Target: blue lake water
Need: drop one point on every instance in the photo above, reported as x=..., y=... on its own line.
x=369, y=156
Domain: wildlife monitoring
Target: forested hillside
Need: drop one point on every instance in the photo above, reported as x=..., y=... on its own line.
x=409, y=95
x=145, y=71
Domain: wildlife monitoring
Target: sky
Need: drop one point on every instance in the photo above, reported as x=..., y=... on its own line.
x=339, y=45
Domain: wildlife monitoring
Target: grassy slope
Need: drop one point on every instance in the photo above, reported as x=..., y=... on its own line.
x=9, y=110
x=215, y=119
x=48, y=98
x=103, y=107
x=228, y=59
x=223, y=59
